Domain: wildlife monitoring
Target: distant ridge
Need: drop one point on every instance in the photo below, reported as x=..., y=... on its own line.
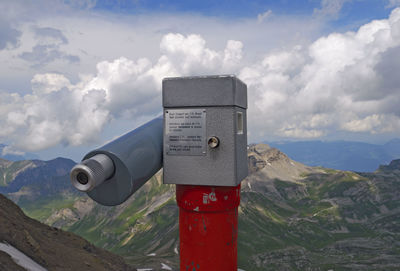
x=393, y=166
x=15, y=175
x=16, y=157
x=342, y=155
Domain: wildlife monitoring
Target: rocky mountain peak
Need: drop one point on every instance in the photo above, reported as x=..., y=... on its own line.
x=260, y=148
x=267, y=163
x=262, y=155
x=268, y=153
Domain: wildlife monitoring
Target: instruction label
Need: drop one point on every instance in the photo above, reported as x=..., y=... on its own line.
x=185, y=132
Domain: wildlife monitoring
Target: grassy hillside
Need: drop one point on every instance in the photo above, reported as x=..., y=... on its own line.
x=331, y=220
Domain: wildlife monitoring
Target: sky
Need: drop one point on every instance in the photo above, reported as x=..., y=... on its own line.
x=76, y=74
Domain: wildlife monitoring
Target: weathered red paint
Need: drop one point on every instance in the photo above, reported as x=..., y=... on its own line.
x=208, y=227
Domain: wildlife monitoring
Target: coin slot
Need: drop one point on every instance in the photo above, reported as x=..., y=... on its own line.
x=239, y=123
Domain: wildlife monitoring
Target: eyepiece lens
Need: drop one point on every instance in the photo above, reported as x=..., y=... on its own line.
x=82, y=178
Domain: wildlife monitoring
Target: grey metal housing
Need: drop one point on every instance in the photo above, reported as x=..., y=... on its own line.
x=196, y=91
x=223, y=100
x=136, y=156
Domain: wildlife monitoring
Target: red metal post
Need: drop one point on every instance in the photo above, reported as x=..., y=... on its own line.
x=208, y=227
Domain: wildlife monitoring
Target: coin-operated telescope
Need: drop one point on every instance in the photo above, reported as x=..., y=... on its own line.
x=201, y=142
x=112, y=173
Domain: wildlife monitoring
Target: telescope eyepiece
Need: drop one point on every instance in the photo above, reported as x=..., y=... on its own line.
x=82, y=178
x=92, y=172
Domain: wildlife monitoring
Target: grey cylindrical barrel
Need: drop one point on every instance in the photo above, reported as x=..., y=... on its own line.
x=136, y=157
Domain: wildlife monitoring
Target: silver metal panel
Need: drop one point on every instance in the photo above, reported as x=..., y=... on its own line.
x=185, y=131
x=225, y=165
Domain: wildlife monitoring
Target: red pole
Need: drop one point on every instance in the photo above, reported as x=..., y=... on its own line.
x=208, y=227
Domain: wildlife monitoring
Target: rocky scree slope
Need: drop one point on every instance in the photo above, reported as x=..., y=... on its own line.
x=50, y=247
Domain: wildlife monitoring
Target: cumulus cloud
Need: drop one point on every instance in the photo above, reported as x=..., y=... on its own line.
x=337, y=83
x=342, y=81
x=58, y=111
x=54, y=115
x=48, y=82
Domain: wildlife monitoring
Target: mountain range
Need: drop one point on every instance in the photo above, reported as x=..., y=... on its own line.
x=291, y=217
x=343, y=155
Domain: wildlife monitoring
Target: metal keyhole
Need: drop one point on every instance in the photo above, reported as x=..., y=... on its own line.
x=213, y=142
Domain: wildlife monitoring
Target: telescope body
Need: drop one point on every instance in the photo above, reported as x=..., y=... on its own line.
x=135, y=156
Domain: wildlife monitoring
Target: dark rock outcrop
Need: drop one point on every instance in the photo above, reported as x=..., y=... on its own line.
x=50, y=247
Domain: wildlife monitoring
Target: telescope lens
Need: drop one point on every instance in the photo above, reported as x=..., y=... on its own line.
x=82, y=178
x=92, y=172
